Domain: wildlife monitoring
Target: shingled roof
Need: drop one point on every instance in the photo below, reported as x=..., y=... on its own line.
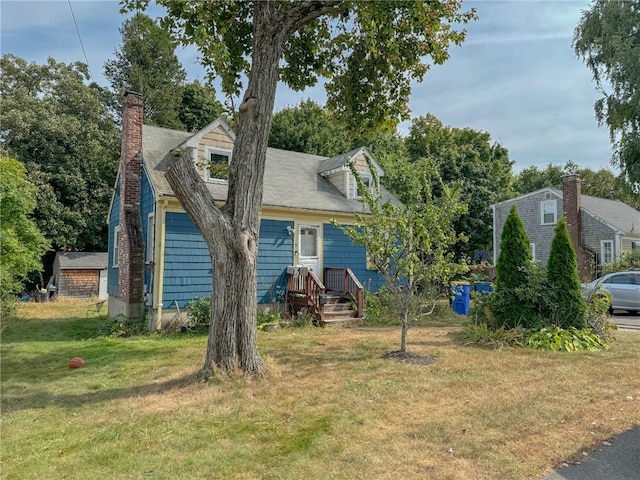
x=82, y=260
x=617, y=214
x=291, y=179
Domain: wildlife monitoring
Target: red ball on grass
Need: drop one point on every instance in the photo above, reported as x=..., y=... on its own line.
x=76, y=362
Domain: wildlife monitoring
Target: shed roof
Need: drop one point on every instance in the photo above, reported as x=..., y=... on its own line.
x=291, y=179
x=82, y=260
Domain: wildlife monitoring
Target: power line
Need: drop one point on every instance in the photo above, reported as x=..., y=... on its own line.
x=80, y=38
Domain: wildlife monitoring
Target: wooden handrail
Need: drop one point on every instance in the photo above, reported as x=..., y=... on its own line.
x=342, y=280
x=310, y=287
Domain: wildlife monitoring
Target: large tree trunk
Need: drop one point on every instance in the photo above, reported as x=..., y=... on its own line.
x=231, y=233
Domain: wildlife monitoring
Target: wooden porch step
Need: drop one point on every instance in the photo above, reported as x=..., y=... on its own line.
x=338, y=307
x=340, y=314
x=336, y=298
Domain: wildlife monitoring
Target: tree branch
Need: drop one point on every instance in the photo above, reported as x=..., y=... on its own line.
x=194, y=196
x=305, y=12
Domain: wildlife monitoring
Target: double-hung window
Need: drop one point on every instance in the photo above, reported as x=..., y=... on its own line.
x=116, y=246
x=151, y=230
x=606, y=252
x=217, y=167
x=365, y=177
x=549, y=212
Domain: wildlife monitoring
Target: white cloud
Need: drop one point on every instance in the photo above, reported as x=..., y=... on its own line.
x=515, y=76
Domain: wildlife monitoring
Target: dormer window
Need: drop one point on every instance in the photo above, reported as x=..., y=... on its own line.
x=217, y=167
x=366, y=180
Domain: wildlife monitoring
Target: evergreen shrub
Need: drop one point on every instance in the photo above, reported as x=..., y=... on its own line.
x=568, y=307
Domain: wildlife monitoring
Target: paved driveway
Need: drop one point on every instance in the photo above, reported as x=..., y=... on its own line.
x=627, y=322
x=617, y=459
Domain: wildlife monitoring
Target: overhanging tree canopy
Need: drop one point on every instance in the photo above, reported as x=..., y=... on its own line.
x=58, y=127
x=369, y=52
x=608, y=40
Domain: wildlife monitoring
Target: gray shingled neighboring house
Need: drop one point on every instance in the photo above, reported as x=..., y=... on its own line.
x=80, y=274
x=600, y=229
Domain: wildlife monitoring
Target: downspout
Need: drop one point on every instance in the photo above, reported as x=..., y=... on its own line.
x=159, y=261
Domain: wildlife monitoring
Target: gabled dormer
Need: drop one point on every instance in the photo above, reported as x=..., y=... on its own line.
x=337, y=170
x=211, y=149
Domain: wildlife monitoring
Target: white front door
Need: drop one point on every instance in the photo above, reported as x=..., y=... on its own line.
x=308, y=247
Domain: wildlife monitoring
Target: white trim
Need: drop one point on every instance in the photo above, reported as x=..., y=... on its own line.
x=495, y=237
x=363, y=176
x=219, y=122
x=554, y=205
x=347, y=182
x=209, y=150
x=151, y=235
x=116, y=246
x=602, y=252
x=530, y=194
x=310, y=260
x=533, y=250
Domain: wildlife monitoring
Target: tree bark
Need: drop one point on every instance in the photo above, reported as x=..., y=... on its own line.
x=231, y=232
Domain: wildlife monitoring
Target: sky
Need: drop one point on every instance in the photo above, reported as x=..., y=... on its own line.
x=515, y=76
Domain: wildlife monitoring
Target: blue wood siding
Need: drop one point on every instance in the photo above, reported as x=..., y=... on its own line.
x=187, y=265
x=114, y=219
x=147, y=206
x=275, y=253
x=340, y=252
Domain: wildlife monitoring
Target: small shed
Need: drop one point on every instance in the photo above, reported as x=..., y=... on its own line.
x=80, y=274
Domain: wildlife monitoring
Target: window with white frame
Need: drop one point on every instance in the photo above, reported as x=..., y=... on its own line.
x=217, y=167
x=606, y=252
x=365, y=177
x=549, y=212
x=116, y=246
x=533, y=251
x=151, y=231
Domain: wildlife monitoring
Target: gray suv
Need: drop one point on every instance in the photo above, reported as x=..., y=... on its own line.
x=624, y=288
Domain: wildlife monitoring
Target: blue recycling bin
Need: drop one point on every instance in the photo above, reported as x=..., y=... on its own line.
x=461, y=297
x=483, y=287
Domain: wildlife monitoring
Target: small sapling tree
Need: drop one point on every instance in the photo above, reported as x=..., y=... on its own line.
x=411, y=245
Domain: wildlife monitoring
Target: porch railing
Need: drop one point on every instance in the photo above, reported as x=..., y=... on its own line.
x=304, y=290
x=343, y=281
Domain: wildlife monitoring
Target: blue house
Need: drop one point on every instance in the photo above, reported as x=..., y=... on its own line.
x=158, y=260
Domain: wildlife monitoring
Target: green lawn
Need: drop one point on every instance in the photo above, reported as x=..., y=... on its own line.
x=331, y=407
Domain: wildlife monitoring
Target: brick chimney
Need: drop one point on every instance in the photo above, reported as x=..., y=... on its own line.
x=571, y=194
x=131, y=256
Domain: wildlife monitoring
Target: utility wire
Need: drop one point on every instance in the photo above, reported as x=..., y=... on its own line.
x=80, y=38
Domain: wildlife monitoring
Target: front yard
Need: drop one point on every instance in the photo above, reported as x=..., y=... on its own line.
x=332, y=407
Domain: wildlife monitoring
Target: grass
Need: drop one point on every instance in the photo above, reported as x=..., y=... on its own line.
x=331, y=408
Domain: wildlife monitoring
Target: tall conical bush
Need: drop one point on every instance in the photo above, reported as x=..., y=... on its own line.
x=515, y=253
x=568, y=307
x=510, y=307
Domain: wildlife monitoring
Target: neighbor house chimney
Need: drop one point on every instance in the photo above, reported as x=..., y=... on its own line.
x=571, y=195
x=131, y=251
